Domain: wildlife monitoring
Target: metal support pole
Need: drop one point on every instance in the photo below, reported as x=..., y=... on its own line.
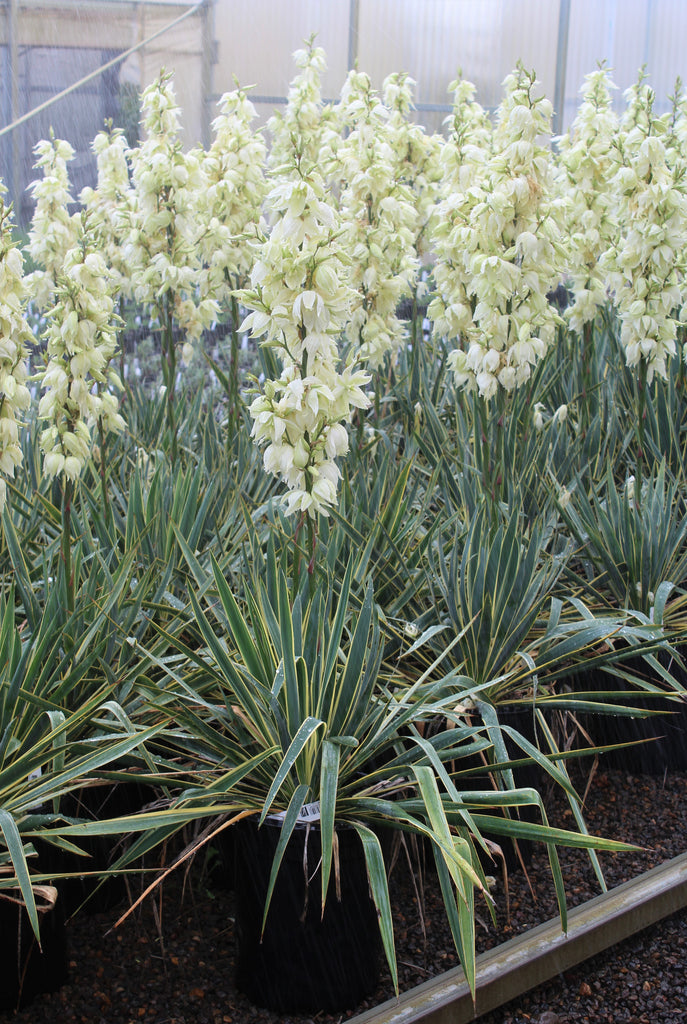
x=353, y=23
x=15, y=169
x=208, y=60
x=648, y=24
x=141, y=11
x=561, y=65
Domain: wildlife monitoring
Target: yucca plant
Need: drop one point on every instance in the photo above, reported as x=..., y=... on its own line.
x=632, y=555
x=284, y=714
x=48, y=749
x=494, y=583
x=632, y=538
x=512, y=642
x=299, y=700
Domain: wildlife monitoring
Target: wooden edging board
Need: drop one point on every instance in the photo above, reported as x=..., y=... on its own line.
x=534, y=957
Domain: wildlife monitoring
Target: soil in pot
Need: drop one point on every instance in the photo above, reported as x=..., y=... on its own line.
x=27, y=969
x=305, y=961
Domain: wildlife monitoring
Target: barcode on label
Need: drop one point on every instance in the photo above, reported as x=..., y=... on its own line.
x=310, y=812
x=307, y=813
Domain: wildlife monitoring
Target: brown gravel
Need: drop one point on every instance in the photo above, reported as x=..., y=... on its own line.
x=172, y=962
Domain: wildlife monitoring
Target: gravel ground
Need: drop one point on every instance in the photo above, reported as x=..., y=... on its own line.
x=172, y=961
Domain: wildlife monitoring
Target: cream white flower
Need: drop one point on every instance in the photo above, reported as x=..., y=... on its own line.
x=53, y=229
x=416, y=158
x=163, y=247
x=380, y=219
x=630, y=488
x=588, y=160
x=498, y=243
x=230, y=204
x=300, y=301
x=564, y=498
x=110, y=205
x=646, y=264
x=15, y=336
x=81, y=340
x=305, y=118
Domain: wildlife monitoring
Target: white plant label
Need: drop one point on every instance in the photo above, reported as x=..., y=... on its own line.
x=308, y=813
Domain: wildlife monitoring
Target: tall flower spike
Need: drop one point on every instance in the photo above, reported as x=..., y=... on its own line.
x=15, y=397
x=168, y=275
x=300, y=302
x=380, y=222
x=306, y=118
x=79, y=387
x=53, y=229
x=507, y=229
x=469, y=143
x=163, y=248
x=588, y=159
x=234, y=170
x=638, y=118
x=463, y=159
x=110, y=205
x=417, y=156
x=646, y=265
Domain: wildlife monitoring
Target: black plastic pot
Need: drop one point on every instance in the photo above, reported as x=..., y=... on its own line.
x=220, y=860
x=667, y=732
x=516, y=853
x=27, y=970
x=84, y=890
x=305, y=961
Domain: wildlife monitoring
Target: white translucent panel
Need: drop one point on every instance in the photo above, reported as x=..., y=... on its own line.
x=253, y=41
x=256, y=40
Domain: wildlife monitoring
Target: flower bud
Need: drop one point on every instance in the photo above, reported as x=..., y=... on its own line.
x=301, y=454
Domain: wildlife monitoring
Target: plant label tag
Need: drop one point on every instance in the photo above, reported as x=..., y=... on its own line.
x=310, y=812
x=307, y=814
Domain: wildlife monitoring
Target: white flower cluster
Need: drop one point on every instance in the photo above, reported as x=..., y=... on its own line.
x=588, y=158
x=111, y=203
x=503, y=243
x=163, y=252
x=53, y=229
x=380, y=222
x=15, y=397
x=645, y=266
x=470, y=141
x=81, y=340
x=235, y=188
x=301, y=300
x=417, y=157
x=305, y=121
x=463, y=160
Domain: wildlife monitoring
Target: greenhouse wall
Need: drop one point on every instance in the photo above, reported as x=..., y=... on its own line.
x=46, y=47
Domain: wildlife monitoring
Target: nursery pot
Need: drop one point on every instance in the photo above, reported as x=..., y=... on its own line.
x=305, y=961
x=27, y=969
x=516, y=854
x=85, y=891
x=667, y=732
